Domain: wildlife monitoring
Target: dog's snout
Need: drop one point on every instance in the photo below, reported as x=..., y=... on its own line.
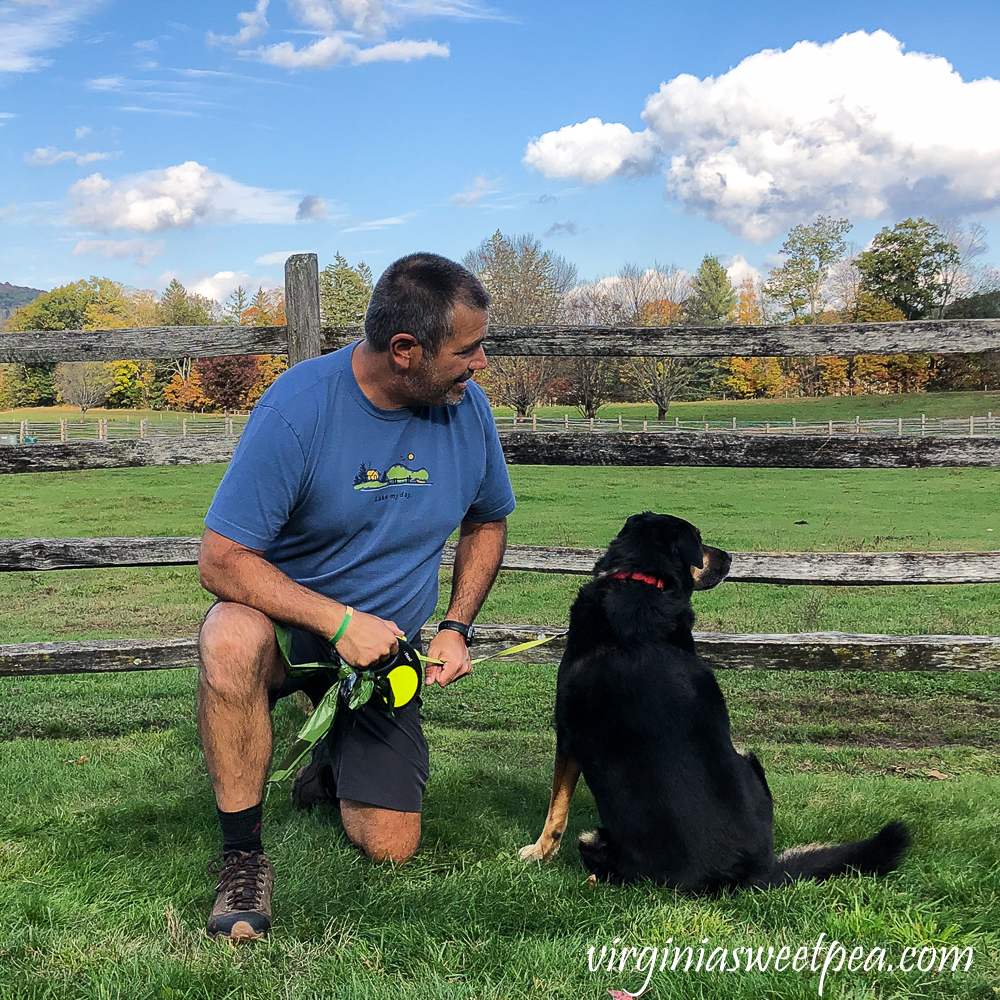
x=715, y=567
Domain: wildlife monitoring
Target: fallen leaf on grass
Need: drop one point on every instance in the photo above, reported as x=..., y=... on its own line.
x=79, y=760
x=592, y=881
x=936, y=774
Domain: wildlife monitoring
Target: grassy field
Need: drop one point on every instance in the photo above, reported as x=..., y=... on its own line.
x=109, y=818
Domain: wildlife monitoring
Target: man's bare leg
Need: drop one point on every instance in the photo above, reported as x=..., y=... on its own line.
x=383, y=834
x=240, y=664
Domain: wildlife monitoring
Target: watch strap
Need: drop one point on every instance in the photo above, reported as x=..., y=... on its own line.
x=450, y=625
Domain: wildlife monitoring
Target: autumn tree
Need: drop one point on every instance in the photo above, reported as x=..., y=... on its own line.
x=799, y=283
x=83, y=383
x=526, y=286
x=179, y=307
x=905, y=264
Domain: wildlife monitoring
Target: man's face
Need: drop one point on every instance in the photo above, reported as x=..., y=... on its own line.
x=441, y=380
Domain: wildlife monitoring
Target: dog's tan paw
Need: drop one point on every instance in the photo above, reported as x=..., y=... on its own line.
x=537, y=851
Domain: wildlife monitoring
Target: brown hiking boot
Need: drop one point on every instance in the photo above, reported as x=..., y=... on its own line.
x=310, y=788
x=242, y=910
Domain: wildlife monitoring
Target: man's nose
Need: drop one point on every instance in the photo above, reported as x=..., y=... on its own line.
x=478, y=361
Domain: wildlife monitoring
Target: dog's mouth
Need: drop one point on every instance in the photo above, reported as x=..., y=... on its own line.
x=713, y=570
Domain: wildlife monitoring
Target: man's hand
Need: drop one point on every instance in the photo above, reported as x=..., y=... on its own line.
x=367, y=640
x=449, y=647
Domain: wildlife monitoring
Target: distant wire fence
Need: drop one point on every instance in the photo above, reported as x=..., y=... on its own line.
x=922, y=426
x=125, y=429
x=39, y=431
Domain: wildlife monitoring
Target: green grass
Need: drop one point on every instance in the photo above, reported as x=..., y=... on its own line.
x=804, y=409
x=109, y=820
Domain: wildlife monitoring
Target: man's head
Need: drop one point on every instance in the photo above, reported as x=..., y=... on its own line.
x=429, y=315
x=417, y=295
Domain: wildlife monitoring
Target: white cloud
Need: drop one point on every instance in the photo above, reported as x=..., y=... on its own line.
x=140, y=250
x=7, y=211
x=47, y=156
x=853, y=127
x=311, y=208
x=83, y=131
x=476, y=191
x=334, y=49
x=29, y=28
x=341, y=24
x=737, y=268
x=593, y=151
x=175, y=198
x=106, y=83
x=254, y=25
x=367, y=227
x=221, y=284
x=278, y=257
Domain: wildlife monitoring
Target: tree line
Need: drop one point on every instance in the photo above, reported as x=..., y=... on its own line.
x=914, y=270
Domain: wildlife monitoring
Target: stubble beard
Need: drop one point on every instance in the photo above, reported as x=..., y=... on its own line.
x=429, y=392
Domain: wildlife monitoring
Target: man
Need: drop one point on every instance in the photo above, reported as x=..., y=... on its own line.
x=351, y=473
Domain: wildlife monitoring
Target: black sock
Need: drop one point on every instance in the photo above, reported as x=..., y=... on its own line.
x=241, y=830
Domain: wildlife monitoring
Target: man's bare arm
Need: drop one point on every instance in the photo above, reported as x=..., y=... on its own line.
x=236, y=573
x=478, y=557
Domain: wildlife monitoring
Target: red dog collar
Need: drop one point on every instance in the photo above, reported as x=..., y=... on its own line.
x=642, y=577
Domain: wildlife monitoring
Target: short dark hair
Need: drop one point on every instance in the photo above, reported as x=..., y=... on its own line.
x=417, y=294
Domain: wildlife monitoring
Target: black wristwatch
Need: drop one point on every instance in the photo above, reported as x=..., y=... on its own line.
x=467, y=632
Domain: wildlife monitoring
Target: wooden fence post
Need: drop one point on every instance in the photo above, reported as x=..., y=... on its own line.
x=23, y=432
x=143, y=427
x=184, y=426
x=302, y=307
x=62, y=428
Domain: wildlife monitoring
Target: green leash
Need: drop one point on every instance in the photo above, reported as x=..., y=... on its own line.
x=362, y=688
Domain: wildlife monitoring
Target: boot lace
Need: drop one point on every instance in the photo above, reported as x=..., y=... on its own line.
x=242, y=877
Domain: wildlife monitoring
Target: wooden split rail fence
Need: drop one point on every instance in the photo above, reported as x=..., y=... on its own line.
x=304, y=338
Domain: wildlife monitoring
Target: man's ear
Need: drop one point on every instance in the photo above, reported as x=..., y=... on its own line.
x=404, y=351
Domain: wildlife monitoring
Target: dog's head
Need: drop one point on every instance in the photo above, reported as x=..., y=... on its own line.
x=666, y=548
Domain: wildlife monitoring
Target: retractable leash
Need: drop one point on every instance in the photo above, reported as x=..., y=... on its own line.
x=388, y=686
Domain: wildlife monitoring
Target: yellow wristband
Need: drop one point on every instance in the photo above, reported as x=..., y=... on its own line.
x=339, y=634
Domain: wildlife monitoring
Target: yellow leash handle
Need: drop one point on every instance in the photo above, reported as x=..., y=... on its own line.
x=507, y=652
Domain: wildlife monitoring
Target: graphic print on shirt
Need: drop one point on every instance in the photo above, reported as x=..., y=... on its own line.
x=369, y=478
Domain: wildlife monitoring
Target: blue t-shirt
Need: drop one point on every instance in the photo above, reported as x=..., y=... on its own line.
x=355, y=501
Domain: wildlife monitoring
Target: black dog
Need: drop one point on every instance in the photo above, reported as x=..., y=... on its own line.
x=644, y=720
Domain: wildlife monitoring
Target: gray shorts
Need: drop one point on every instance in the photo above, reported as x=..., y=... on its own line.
x=366, y=756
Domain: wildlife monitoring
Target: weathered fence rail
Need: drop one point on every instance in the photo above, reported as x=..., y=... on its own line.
x=750, y=451
x=305, y=338
x=967, y=336
x=786, y=568
x=722, y=651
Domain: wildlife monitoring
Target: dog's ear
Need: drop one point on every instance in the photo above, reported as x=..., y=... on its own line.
x=691, y=550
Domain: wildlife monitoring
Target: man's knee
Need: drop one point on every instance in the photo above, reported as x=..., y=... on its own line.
x=237, y=647
x=383, y=834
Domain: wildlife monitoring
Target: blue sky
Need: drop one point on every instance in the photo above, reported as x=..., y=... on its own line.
x=205, y=141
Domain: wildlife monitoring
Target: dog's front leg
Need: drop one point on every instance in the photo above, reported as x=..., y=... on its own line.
x=564, y=779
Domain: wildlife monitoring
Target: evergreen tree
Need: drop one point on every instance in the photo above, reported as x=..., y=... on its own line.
x=712, y=297
x=344, y=292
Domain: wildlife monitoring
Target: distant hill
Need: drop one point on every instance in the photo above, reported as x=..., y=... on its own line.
x=14, y=296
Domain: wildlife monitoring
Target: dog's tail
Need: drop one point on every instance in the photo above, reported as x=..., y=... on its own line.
x=877, y=855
